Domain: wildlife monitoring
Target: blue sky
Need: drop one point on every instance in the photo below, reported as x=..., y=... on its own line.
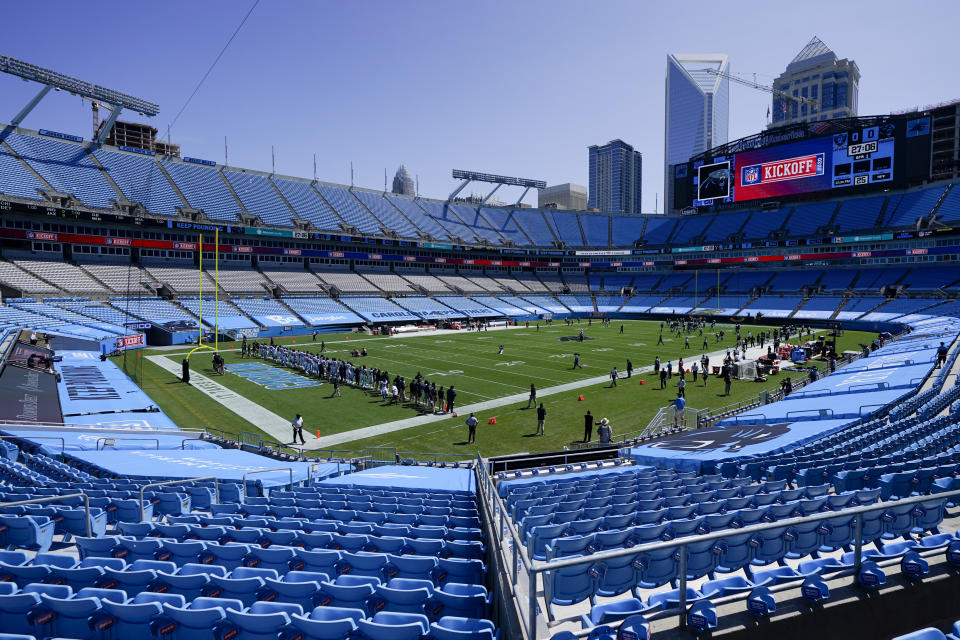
x=517, y=88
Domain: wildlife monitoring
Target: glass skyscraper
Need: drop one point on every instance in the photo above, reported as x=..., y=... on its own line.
x=615, y=178
x=697, y=110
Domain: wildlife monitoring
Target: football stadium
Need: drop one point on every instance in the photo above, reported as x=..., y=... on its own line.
x=250, y=405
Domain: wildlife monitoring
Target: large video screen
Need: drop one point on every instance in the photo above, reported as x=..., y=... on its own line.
x=785, y=170
x=713, y=181
x=855, y=158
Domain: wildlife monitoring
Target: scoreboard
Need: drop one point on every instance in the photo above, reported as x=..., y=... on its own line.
x=884, y=151
x=864, y=156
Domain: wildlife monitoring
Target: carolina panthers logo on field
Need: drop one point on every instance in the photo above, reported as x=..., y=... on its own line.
x=728, y=440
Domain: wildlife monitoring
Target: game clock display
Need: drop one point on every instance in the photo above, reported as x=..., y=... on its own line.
x=863, y=157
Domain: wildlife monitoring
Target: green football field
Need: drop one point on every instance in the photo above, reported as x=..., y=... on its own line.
x=471, y=362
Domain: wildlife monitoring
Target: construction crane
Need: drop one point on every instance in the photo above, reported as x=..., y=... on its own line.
x=95, y=108
x=762, y=87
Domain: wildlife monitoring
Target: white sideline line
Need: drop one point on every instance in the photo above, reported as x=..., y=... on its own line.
x=262, y=418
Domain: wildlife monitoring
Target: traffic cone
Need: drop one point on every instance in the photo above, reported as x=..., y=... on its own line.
x=318, y=433
x=580, y=398
x=643, y=382
x=294, y=342
x=492, y=421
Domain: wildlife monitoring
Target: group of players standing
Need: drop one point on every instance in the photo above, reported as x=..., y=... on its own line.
x=423, y=394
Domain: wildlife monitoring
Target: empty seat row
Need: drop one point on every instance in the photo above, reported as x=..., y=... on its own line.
x=91, y=613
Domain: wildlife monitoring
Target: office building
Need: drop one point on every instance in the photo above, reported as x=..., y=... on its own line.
x=563, y=196
x=403, y=183
x=697, y=109
x=615, y=178
x=817, y=74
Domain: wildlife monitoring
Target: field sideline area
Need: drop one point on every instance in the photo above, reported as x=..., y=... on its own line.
x=471, y=362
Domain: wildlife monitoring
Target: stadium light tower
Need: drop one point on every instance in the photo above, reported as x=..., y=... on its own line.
x=95, y=93
x=475, y=176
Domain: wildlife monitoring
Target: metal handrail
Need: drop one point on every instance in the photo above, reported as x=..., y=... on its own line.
x=86, y=505
x=63, y=443
x=97, y=445
x=243, y=482
x=216, y=488
x=492, y=499
x=189, y=439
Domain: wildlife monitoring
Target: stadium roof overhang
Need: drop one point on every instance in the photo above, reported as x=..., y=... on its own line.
x=50, y=79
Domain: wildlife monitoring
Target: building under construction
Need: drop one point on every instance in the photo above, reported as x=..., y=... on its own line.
x=139, y=136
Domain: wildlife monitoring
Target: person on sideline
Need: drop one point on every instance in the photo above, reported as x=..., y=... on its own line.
x=297, y=425
x=472, y=429
x=541, y=417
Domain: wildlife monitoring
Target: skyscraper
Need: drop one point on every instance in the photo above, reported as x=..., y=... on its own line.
x=697, y=109
x=615, y=177
x=403, y=183
x=818, y=74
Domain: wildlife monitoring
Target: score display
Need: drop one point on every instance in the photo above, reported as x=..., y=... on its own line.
x=863, y=157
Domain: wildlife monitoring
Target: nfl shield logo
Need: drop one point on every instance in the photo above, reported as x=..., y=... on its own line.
x=751, y=175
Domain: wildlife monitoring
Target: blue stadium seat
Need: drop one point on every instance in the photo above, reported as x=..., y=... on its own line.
x=14, y=608
x=132, y=550
x=462, y=600
x=568, y=585
x=410, y=566
x=181, y=553
x=67, y=617
x=230, y=555
x=22, y=575
x=363, y=564
x=196, y=621
x=403, y=595
x=603, y=614
x=26, y=532
x=131, y=619
x=726, y=586
x=243, y=583
x=325, y=561
x=298, y=587
x=191, y=581
x=277, y=558
x=394, y=626
x=261, y=621
x=351, y=592
x=328, y=623
x=671, y=599
x=134, y=578
x=459, y=628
